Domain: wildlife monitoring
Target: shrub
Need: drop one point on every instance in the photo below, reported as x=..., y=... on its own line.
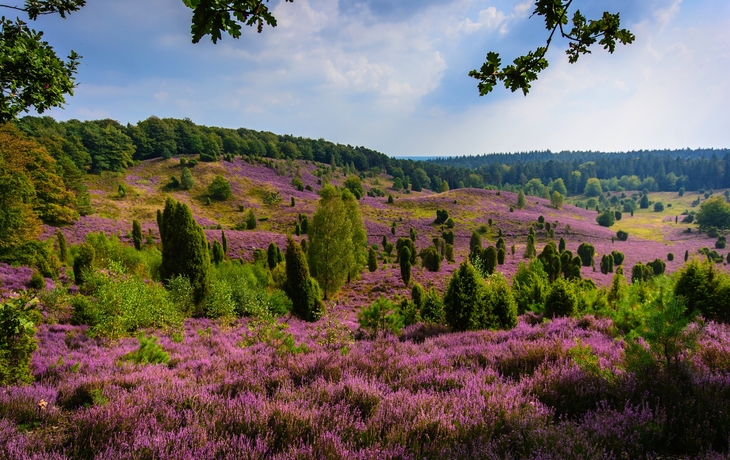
x=123, y=304
x=121, y=191
x=670, y=257
x=450, y=223
x=301, y=288
x=658, y=267
x=442, y=215
x=186, y=179
x=586, y=252
x=607, y=264
x=184, y=248
x=37, y=281
x=219, y=302
x=273, y=255
x=658, y=206
x=380, y=317
x=431, y=259
x=372, y=260
x=530, y=251
x=713, y=232
x=448, y=237
x=489, y=260
x=561, y=301
x=521, y=202
x=622, y=235
x=251, y=221
x=617, y=215
x=464, y=300
x=82, y=262
x=404, y=260
x=18, y=317
x=561, y=245
x=606, y=218
x=137, y=235
x=618, y=257
x=390, y=199
x=149, y=352
x=721, y=242
x=500, y=303
x=62, y=247
x=449, y=252
x=501, y=254
x=220, y=188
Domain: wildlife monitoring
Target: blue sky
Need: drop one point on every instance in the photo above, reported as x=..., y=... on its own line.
x=392, y=75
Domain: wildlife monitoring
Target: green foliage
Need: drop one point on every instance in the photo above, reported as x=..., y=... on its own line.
x=607, y=264
x=273, y=255
x=18, y=317
x=551, y=262
x=501, y=254
x=149, y=352
x=372, y=260
x=431, y=259
x=83, y=262
x=641, y=273
x=449, y=252
x=184, y=248
x=390, y=199
x=521, y=202
x=721, y=242
x=62, y=247
x=123, y=304
x=705, y=289
x=37, y=281
x=500, y=302
x=145, y=263
x=186, y=179
x=442, y=215
x=407, y=242
x=354, y=185
x=269, y=331
x=218, y=255
x=530, y=251
x=300, y=287
x=412, y=234
x=586, y=252
x=658, y=207
x=606, y=218
x=593, y=187
x=557, y=200
x=220, y=188
x=561, y=245
x=219, y=302
x=137, y=235
x=562, y=300
x=714, y=212
x=464, y=300
x=33, y=76
x=404, y=260
x=622, y=235
x=379, y=318
x=618, y=257
x=489, y=260
x=181, y=295
x=644, y=202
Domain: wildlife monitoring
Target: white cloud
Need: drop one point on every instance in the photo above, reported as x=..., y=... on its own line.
x=664, y=15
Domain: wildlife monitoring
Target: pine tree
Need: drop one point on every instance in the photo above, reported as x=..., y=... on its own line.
x=530, y=251
x=404, y=260
x=184, y=248
x=62, y=247
x=489, y=259
x=137, y=235
x=561, y=245
x=501, y=254
x=250, y=220
x=358, y=235
x=464, y=299
x=302, y=289
x=372, y=260
x=384, y=242
x=412, y=234
x=224, y=243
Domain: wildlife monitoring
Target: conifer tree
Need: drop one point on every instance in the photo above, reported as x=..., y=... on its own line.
x=464, y=299
x=250, y=220
x=530, y=251
x=184, y=248
x=521, y=202
x=217, y=253
x=272, y=255
x=561, y=245
x=384, y=243
x=186, y=179
x=501, y=254
x=302, y=289
x=372, y=260
x=62, y=247
x=404, y=260
x=475, y=244
x=83, y=261
x=489, y=258
x=224, y=243
x=358, y=235
x=412, y=234
x=137, y=235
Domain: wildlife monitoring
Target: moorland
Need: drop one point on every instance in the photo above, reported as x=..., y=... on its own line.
x=496, y=310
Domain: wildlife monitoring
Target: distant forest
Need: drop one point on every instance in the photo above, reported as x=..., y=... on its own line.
x=81, y=147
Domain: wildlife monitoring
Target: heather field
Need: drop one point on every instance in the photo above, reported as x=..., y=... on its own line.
x=630, y=372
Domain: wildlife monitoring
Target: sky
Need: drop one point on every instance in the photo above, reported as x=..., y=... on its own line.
x=392, y=75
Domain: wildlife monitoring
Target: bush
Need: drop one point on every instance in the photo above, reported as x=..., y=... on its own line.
x=606, y=219
x=670, y=257
x=622, y=235
x=464, y=300
x=149, y=352
x=372, y=260
x=37, y=281
x=713, y=232
x=721, y=242
x=442, y=215
x=618, y=257
x=658, y=206
x=301, y=288
x=380, y=317
x=561, y=301
x=450, y=223
x=18, y=317
x=186, y=179
x=123, y=304
x=404, y=260
x=220, y=188
x=430, y=259
x=586, y=252
x=83, y=261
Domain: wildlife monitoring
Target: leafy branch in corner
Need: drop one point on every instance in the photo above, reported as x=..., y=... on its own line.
x=211, y=17
x=584, y=33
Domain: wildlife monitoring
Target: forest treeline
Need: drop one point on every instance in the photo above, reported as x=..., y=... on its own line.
x=81, y=147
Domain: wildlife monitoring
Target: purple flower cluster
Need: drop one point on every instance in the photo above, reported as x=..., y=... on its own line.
x=469, y=395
